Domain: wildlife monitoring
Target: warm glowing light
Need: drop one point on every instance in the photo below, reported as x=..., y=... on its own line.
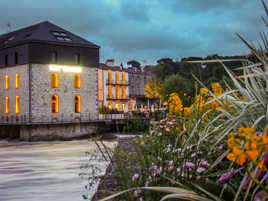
x=123, y=77
x=17, y=105
x=109, y=76
x=77, y=81
x=117, y=77
x=74, y=69
x=124, y=92
x=17, y=80
x=55, y=104
x=7, y=105
x=117, y=92
x=77, y=102
x=110, y=93
x=6, y=82
x=54, y=80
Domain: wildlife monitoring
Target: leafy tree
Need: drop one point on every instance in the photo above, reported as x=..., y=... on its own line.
x=134, y=63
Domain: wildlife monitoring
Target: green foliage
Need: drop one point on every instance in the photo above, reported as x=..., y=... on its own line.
x=136, y=124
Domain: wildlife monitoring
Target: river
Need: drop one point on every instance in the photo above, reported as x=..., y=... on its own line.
x=49, y=171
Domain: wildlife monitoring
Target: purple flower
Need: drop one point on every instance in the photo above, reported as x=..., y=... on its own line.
x=170, y=163
x=136, y=193
x=135, y=177
x=193, y=155
x=204, y=163
x=152, y=133
x=140, y=199
x=261, y=196
x=170, y=168
x=200, y=170
x=258, y=133
x=226, y=176
x=147, y=183
x=190, y=165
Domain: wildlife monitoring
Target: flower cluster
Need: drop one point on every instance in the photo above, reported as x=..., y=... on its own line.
x=175, y=104
x=247, y=145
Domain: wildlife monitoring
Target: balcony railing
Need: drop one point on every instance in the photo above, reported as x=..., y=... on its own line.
x=126, y=83
x=118, y=98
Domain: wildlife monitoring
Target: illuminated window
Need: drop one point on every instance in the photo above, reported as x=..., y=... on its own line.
x=117, y=77
x=7, y=105
x=17, y=105
x=77, y=104
x=17, y=81
x=110, y=93
x=6, y=82
x=117, y=92
x=16, y=58
x=123, y=78
x=55, y=104
x=77, y=81
x=54, y=80
x=109, y=76
x=123, y=92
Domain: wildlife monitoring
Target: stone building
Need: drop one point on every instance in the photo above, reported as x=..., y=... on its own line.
x=48, y=76
x=113, y=86
x=137, y=82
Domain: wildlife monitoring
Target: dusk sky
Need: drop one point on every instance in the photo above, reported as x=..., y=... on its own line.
x=146, y=30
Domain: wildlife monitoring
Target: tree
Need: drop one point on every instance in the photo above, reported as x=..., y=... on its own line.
x=134, y=63
x=154, y=89
x=164, y=61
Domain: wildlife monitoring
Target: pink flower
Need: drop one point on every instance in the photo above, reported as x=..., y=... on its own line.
x=170, y=163
x=204, y=163
x=136, y=193
x=200, y=170
x=151, y=133
x=135, y=177
x=190, y=165
x=170, y=168
x=159, y=134
x=167, y=129
x=193, y=155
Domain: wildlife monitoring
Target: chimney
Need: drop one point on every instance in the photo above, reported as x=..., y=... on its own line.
x=110, y=62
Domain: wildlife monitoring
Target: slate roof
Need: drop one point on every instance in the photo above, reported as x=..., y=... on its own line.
x=43, y=32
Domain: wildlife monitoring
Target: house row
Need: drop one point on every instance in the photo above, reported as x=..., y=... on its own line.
x=49, y=75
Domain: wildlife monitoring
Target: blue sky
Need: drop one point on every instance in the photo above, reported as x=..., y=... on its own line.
x=146, y=30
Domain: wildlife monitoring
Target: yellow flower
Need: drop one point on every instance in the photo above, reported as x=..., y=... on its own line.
x=252, y=154
x=231, y=156
x=241, y=159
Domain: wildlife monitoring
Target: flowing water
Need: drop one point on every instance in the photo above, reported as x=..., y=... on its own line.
x=49, y=171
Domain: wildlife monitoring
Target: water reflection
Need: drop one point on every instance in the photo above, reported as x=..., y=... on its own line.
x=46, y=171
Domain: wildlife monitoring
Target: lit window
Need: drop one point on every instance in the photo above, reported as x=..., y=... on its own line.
x=117, y=77
x=77, y=104
x=123, y=78
x=17, y=81
x=110, y=93
x=16, y=58
x=6, y=82
x=117, y=92
x=124, y=92
x=7, y=105
x=17, y=105
x=54, y=80
x=109, y=76
x=55, y=104
x=77, y=81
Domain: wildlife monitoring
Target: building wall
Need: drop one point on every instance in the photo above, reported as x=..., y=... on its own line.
x=23, y=56
x=22, y=92
x=42, y=93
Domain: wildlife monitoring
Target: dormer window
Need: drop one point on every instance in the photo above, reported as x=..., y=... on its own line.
x=61, y=36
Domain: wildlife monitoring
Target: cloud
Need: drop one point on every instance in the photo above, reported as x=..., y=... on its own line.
x=146, y=29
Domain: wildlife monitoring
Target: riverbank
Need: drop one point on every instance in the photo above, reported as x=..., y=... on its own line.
x=111, y=180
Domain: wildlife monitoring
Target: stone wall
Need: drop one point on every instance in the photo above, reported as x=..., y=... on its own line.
x=56, y=131
x=42, y=92
x=11, y=92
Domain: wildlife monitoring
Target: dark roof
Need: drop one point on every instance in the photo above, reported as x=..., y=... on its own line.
x=43, y=32
x=105, y=67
